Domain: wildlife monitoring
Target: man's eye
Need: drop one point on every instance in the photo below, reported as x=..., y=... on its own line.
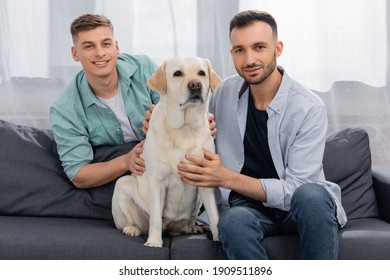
x=88, y=47
x=201, y=73
x=178, y=74
x=238, y=50
x=259, y=48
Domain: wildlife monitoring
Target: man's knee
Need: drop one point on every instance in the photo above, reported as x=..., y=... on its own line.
x=311, y=194
x=231, y=220
x=312, y=197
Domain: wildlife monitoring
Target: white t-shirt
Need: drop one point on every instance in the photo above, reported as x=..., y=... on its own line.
x=117, y=105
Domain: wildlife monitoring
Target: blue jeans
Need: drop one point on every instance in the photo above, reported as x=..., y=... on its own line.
x=312, y=216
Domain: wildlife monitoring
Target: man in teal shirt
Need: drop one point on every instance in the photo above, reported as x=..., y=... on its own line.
x=103, y=105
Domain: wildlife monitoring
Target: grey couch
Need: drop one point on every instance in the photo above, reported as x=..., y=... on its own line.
x=43, y=216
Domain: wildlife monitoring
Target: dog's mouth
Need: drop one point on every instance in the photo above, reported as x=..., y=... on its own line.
x=195, y=97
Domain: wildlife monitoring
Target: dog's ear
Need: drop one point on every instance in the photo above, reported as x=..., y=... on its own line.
x=215, y=80
x=158, y=81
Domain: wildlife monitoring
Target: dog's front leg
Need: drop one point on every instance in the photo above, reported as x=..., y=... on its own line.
x=157, y=194
x=208, y=198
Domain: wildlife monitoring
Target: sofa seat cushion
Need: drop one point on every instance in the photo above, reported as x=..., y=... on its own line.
x=33, y=183
x=44, y=238
x=365, y=239
x=196, y=247
x=347, y=162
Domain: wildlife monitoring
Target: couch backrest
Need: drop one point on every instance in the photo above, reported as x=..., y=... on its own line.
x=32, y=181
x=347, y=162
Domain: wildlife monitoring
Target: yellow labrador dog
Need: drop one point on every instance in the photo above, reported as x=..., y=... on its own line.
x=159, y=200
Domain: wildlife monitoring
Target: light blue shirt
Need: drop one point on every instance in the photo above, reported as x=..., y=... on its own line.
x=297, y=127
x=80, y=121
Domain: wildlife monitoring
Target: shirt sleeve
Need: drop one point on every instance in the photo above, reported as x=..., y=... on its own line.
x=71, y=138
x=303, y=160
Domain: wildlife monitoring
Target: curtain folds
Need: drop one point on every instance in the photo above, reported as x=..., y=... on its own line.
x=338, y=48
x=325, y=41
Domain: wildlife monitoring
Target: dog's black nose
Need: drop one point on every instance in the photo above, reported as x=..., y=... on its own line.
x=194, y=85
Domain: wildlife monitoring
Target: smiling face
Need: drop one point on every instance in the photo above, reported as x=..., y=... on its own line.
x=254, y=51
x=96, y=50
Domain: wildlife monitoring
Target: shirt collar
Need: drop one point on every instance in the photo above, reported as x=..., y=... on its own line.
x=279, y=101
x=125, y=70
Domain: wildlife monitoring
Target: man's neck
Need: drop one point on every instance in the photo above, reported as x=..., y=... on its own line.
x=264, y=92
x=104, y=87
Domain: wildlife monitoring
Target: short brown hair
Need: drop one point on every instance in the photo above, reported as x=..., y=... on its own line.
x=87, y=22
x=246, y=18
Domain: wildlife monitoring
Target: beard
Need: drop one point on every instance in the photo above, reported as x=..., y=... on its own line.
x=268, y=69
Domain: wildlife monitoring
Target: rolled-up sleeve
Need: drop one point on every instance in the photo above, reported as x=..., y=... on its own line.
x=71, y=138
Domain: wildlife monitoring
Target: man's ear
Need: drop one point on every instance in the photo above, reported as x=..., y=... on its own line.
x=74, y=54
x=158, y=81
x=214, y=79
x=117, y=47
x=279, y=48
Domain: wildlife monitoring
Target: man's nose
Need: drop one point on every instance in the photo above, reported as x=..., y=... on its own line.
x=250, y=58
x=100, y=51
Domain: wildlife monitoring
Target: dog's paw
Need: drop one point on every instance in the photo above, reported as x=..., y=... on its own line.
x=195, y=229
x=215, y=238
x=131, y=231
x=154, y=243
x=214, y=231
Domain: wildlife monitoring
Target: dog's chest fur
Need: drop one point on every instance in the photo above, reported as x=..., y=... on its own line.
x=175, y=143
x=171, y=145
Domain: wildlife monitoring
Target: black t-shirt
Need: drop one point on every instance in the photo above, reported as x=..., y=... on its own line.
x=258, y=161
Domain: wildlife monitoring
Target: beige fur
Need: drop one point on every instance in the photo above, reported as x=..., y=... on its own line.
x=159, y=199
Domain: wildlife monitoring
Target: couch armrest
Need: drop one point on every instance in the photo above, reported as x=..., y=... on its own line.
x=381, y=178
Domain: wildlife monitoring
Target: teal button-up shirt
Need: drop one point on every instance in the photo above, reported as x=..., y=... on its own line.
x=81, y=121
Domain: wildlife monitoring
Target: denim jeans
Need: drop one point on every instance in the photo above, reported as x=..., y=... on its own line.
x=312, y=216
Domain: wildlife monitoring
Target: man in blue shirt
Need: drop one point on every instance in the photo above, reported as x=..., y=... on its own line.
x=270, y=143
x=103, y=105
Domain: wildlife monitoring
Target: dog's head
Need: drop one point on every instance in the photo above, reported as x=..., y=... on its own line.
x=187, y=80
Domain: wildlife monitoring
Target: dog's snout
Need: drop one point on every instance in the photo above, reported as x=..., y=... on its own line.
x=194, y=93
x=194, y=85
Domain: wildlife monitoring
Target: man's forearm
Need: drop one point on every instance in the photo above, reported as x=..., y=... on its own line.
x=245, y=185
x=97, y=174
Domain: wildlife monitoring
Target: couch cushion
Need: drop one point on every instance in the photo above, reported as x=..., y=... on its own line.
x=42, y=238
x=365, y=239
x=347, y=162
x=32, y=181
x=196, y=247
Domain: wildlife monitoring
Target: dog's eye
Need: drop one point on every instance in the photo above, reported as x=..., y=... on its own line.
x=178, y=74
x=201, y=73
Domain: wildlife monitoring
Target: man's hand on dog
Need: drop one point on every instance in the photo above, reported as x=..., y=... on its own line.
x=207, y=171
x=136, y=164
